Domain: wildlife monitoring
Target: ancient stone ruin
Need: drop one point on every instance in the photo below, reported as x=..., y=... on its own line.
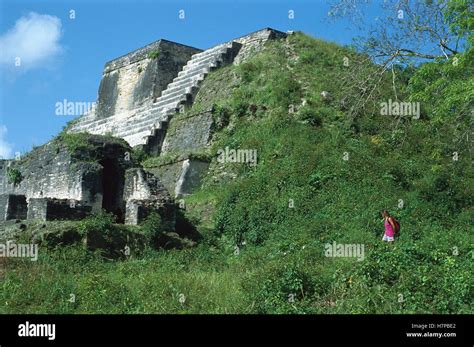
x=138, y=96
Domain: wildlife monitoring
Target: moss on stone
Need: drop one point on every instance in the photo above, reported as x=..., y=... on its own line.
x=14, y=176
x=153, y=54
x=87, y=146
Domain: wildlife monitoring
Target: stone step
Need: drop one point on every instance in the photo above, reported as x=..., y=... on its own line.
x=150, y=125
x=202, y=69
x=124, y=114
x=172, y=88
x=107, y=124
x=177, y=91
x=208, y=53
x=84, y=125
x=145, y=126
x=172, y=102
x=153, y=113
x=137, y=139
x=169, y=96
x=210, y=50
x=133, y=126
x=186, y=74
x=168, y=99
x=135, y=130
x=137, y=123
x=215, y=63
x=198, y=74
x=100, y=130
x=194, y=64
x=95, y=125
x=185, y=82
x=83, y=120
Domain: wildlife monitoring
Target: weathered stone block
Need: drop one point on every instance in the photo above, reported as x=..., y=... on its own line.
x=188, y=133
x=182, y=177
x=13, y=207
x=254, y=42
x=139, y=76
x=138, y=210
x=92, y=173
x=46, y=209
x=37, y=209
x=144, y=193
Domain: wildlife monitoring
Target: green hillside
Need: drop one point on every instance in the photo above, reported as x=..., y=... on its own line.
x=326, y=167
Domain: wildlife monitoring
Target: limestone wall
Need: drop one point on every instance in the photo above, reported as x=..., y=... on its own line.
x=134, y=80
x=44, y=174
x=144, y=193
x=57, y=209
x=182, y=177
x=254, y=42
x=57, y=182
x=12, y=207
x=190, y=133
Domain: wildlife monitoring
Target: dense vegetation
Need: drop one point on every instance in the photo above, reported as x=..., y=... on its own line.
x=321, y=177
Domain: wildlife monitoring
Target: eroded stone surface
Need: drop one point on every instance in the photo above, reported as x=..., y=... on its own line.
x=58, y=184
x=139, y=94
x=12, y=207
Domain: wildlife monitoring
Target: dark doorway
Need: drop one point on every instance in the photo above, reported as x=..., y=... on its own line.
x=112, y=188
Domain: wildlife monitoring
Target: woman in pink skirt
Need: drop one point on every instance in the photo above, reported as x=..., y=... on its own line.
x=390, y=227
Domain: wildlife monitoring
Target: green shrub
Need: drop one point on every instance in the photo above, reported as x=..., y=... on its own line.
x=282, y=290
x=74, y=141
x=139, y=155
x=101, y=222
x=310, y=116
x=446, y=189
x=153, y=54
x=249, y=71
x=221, y=115
x=152, y=226
x=14, y=176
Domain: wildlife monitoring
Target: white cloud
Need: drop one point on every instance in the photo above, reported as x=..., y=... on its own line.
x=5, y=147
x=34, y=39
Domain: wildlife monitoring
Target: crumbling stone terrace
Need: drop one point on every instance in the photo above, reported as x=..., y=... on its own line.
x=89, y=167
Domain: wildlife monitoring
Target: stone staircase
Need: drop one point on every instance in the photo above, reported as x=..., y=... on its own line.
x=146, y=126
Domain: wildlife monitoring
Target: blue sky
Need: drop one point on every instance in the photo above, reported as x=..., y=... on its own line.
x=62, y=58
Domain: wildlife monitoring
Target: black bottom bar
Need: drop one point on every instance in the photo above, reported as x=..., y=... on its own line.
x=210, y=329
